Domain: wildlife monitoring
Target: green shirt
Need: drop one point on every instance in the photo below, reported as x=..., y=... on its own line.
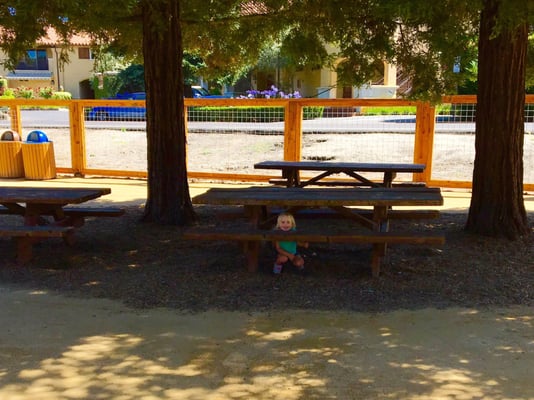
x=290, y=247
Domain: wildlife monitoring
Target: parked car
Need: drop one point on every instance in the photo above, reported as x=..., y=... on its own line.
x=110, y=113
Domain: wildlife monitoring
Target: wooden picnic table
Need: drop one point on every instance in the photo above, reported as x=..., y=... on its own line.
x=291, y=172
x=257, y=200
x=34, y=204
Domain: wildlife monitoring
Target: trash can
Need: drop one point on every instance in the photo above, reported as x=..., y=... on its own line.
x=38, y=156
x=11, y=164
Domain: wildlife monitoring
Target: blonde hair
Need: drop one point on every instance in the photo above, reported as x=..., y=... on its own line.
x=289, y=216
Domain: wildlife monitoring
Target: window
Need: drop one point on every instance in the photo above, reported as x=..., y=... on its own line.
x=34, y=60
x=85, y=53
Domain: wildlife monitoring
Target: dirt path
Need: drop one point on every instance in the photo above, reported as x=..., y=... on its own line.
x=54, y=347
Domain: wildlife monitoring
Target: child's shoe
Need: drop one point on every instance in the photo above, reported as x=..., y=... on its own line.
x=277, y=269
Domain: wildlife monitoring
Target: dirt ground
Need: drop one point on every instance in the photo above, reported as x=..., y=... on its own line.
x=55, y=347
x=132, y=312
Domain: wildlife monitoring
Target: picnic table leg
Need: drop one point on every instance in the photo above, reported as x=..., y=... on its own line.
x=24, y=249
x=252, y=251
x=292, y=176
x=380, y=216
x=388, y=178
x=376, y=259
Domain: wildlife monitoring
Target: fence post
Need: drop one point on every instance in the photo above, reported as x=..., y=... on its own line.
x=77, y=138
x=293, y=131
x=424, y=140
x=14, y=114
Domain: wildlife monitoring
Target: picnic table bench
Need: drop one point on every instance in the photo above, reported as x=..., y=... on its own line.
x=257, y=200
x=291, y=173
x=33, y=204
x=75, y=214
x=25, y=236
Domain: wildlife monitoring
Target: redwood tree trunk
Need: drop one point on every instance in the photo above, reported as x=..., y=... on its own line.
x=497, y=207
x=168, y=198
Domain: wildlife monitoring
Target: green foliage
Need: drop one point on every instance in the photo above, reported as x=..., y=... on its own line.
x=8, y=94
x=108, y=89
x=131, y=79
x=388, y=110
x=191, y=65
x=61, y=96
x=223, y=44
x=46, y=92
x=247, y=114
x=23, y=92
x=530, y=63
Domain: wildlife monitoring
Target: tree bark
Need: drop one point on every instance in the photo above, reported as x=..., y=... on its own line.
x=497, y=206
x=168, y=198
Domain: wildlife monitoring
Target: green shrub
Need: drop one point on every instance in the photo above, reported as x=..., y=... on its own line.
x=46, y=92
x=247, y=114
x=24, y=92
x=3, y=85
x=313, y=112
x=61, y=96
x=402, y=110
x=8, y=94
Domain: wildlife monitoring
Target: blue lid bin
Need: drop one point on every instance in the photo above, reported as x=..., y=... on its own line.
x=37, y=137
x=11, y=163
x=38, y=156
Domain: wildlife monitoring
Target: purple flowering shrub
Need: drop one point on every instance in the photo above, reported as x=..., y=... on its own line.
x=272, y=93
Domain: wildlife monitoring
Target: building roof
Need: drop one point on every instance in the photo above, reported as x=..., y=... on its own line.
x=253, y=8
x=52, y=38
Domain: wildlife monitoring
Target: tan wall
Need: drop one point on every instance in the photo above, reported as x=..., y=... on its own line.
x=306, y=82
x=69, y=78
x=72, y=74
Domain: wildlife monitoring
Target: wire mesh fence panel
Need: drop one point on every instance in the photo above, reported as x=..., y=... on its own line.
x=454, y=144
x=112, y=149
x=5, y=120
x=528, y=158
x=232, y=139
x=369, y=138
x=231, y=152
x=453, y=153
x=453, y=156
x=528, y=148
x=115, y=138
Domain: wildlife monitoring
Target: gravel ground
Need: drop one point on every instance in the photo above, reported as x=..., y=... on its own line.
x=149, y=266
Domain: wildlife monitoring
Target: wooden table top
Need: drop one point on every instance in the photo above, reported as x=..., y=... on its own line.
x=323, y=197
x=340, y=166
x=51, y=195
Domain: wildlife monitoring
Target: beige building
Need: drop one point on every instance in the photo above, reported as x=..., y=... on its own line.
x=322, y=83
x=42, y=66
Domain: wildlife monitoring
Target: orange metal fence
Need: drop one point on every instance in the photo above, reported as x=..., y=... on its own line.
x=92, y=141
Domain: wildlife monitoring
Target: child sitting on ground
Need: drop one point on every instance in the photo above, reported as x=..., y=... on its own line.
x=287, y=250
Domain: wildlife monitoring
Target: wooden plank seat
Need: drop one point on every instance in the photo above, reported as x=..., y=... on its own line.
x=313, y=213
x=25, y=236
x=284, y=182
x=75, y=211
x=252, y=238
